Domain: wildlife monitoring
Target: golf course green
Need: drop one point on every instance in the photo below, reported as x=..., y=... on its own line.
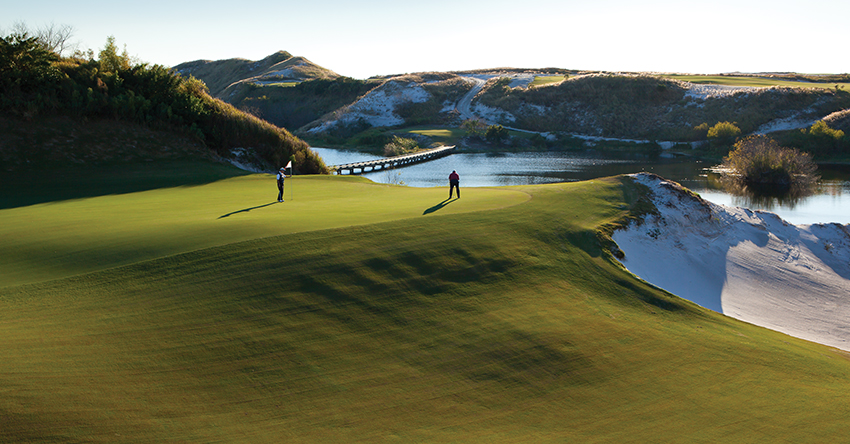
x=185, y=310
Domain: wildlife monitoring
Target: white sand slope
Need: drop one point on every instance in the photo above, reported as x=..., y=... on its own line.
x=750, y=265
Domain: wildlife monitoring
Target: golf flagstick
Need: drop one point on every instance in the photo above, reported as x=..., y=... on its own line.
x=289, y=166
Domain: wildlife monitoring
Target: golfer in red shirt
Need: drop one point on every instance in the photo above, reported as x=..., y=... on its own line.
x=454, y=182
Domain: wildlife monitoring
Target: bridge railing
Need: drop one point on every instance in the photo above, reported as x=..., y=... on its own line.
x=392, y=162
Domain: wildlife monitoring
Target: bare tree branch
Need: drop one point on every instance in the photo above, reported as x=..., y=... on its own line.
x=56, y=38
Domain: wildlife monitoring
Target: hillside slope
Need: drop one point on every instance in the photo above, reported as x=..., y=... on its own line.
x=285, y=90
x=412, y=99
x=490, y=326
x=224, y=76
x=628, y=106
x=652, y=107
x=595, y=105
x=37, y=84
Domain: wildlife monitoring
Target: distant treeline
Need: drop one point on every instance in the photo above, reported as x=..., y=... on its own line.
x=36, y=81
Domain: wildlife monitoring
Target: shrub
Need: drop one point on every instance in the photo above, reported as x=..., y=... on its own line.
x=399, y=146
x=496, y=133
x=701, y=131
x=759, y=160
x=723, y=134
x=474, y=127
x=372, y=137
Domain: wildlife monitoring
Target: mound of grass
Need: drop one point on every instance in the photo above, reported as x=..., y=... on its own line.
x=221, y=75
x=502, y=325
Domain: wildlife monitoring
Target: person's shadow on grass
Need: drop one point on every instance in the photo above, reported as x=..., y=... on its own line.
x=439, y=205
x=246, y=210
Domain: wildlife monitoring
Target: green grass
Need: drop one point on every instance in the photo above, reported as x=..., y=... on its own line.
x=65, y=237
x=445, y=136
x=348, y=315
x=546, y=80
x=761, y=82
x=279, y=84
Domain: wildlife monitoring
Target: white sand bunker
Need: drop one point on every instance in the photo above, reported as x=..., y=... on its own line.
x=752, y=266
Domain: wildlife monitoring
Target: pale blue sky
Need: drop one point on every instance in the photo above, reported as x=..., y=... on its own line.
x=378, y=37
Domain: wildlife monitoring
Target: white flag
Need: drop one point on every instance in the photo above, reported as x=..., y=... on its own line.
x=289, y=165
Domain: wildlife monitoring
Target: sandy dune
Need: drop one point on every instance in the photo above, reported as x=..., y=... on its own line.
x=750, y=265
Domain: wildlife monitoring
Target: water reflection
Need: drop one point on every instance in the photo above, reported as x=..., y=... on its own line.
x=828, y=203
x=768, y=197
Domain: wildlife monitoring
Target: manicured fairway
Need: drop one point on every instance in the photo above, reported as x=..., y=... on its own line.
x=761, y=82
x=58, y=239
x=211, y=314
x=545, y=80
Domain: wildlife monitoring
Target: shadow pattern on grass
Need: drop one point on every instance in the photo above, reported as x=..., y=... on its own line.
x=439, y=206
x=246, y=210
x=53, y=184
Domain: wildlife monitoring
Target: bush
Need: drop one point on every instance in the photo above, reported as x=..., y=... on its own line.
x=759, y=160
x=372, y=137
x=723, y=134
x=474, y=127
x=496, y=134
x=399, y=146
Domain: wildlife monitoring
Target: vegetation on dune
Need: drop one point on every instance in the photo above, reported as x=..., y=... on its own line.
x=300, y=104
x=650, y=107
x=442, y=90
x=283, y=89
x=630, y=106
x=38, y=82
x=220, y=74
x=400, y=145
x=819, y=140
x=593, y=104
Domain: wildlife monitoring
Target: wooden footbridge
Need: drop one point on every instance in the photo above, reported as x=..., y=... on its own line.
x=392, y=162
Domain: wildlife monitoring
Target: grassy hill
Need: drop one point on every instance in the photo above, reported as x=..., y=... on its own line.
x=286, y=90
x=221, y=76
x=359, y=312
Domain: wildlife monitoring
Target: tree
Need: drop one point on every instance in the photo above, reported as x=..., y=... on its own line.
x=56, y=38
x=24, y=63
x=110, y=60
x=821, y=130
x=53, y=38
x=474, y=127
x=496, y=133
x=723, y=134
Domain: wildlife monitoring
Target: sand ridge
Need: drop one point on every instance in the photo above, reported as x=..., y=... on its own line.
x=750, y=265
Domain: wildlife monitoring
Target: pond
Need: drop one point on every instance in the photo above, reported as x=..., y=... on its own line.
x=829, y=203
